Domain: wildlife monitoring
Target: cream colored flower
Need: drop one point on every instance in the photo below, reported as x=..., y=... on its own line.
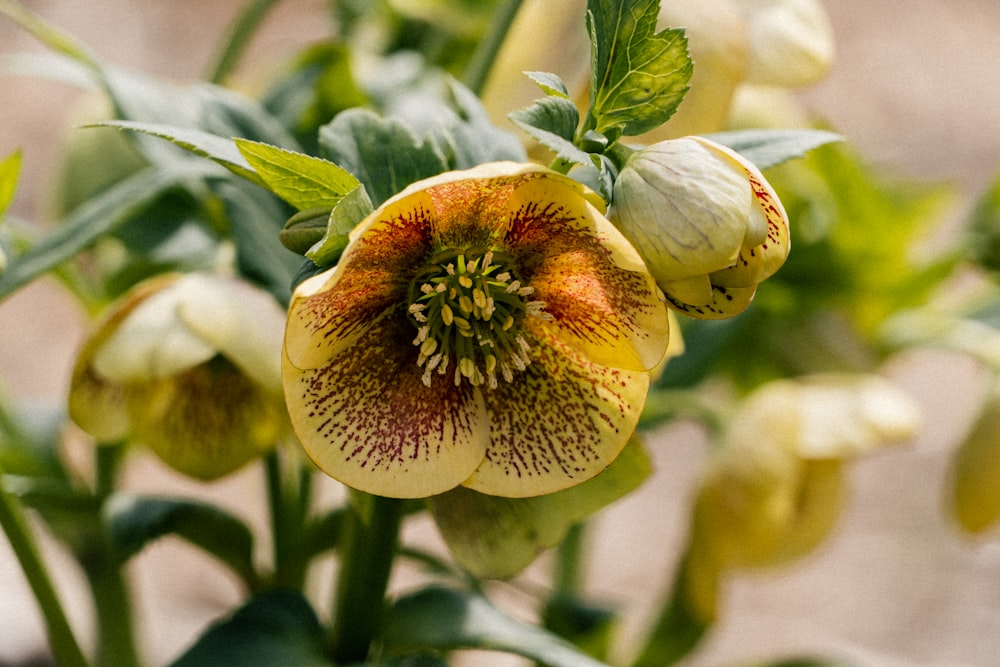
x=187, y=365
x=488, y=328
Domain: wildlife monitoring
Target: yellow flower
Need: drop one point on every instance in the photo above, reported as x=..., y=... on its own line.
x=773, y=489
x=188, y=366
x=486, y=328
x=705, y=220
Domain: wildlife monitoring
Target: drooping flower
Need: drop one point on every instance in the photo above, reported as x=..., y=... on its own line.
x=705, y=220
x=774, y=487
x=487, y=328
x=189, y=366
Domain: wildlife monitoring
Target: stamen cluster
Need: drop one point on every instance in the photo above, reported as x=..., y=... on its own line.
x=469, y=310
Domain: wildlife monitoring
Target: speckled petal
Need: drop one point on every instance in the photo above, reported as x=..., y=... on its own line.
x=367, y=420
x=330, y=311
x=726, y=302
x=593, y=283
x=562, y=421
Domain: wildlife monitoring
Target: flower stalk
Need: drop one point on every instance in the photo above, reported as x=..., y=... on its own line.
x=479, y=67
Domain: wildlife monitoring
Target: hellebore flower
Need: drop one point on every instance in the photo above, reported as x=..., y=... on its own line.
x=706, y=222
x=774, y=488
x=488, y=328
x=189, y=366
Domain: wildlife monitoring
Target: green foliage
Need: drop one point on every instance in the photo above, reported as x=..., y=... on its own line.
x=276, y=628
x=134, y=521
x=10, y=170
x=638, y=76
x=448, y=619
x=769, y=148
x=982, y=235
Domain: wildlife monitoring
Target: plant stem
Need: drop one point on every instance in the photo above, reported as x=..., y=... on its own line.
x=367, y=552
x=569, y=562
x=289, y=500
x=63, y=643
x=240, y=32
x=478, y=69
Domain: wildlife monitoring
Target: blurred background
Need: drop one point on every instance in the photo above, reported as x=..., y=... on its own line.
x=915, y=88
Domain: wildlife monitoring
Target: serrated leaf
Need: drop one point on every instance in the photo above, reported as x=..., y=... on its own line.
x=770, y=147
x=90, y=221
x=638, y=77
x=276, y=628
x=302, y=180
x=382, y=152
x=10, y=171
x=565, y=150
x=550, y=83
x=446, y=619
x=495, y=537
x=201, y=143
x=134, y=521
x=557, y=115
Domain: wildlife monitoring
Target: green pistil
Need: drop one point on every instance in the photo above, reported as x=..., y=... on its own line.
x=469, y=310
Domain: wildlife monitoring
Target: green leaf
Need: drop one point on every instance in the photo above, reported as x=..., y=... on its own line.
x=638, y=77
x=769, y=148
x=276, y=628
x=10, y=170
x=447, y=619
x=981, y=236
x=466, y=135
x=495, y=537
x=553, y=115
x=382, y=152
x=302, y=180
x=201, y=143
x=349, y=211
x=134, y=521
x=550, y=83
x=89, y=222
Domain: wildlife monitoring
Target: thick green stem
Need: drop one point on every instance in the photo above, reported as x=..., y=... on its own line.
x=367, y=553
x=242, y=30
x=289, y=495
x=62, y=642
x=478, y=70
x=569, y=562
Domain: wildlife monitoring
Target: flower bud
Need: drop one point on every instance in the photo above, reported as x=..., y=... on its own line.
x=188, y=366
x=705, y=221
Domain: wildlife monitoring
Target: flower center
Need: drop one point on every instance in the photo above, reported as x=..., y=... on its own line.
x=469, y=310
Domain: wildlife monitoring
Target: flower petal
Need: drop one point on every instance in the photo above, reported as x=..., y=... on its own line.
x=330, y=311
x=563, y=420
x=593, y=283
x=367, y=420
x=726, y=302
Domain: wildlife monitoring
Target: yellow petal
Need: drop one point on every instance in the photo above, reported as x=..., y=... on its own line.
x=594, y=284
x=725, y=302
x=367, y=420
x=975, y=494
x=560, y=423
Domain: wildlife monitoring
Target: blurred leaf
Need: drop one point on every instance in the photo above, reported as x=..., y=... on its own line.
x=276, y=628
x=550, y=83
x=199, y=142
x=88, y=222
x=466, y=134
x=586, y=625
x=767, y=148
x=638, y=77
x=552, y=116
x=302, y=180
x=134, y=521
x=447, y=619
x=982, y=234
x=10, y=170
x=495, y=537
x=382, y=152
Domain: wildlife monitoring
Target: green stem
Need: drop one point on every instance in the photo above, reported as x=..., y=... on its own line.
x=112, y=602
x=367, y=553
x=478, y=69
x=63, y=643
x=289, y=499
x=569, y=562
x=243, y=28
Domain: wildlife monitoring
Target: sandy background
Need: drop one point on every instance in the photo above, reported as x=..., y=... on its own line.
x=916, y=87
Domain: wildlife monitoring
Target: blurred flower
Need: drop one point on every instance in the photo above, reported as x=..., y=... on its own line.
x=773, y=489
x=707, y=223
x=187, y=365
x=975, y=492
x=487, y=327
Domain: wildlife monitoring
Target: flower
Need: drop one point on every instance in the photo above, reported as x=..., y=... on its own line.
x=706, y=222
x=773, y=489
x=975, y=480
x=187, y=365
x=486, y=328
